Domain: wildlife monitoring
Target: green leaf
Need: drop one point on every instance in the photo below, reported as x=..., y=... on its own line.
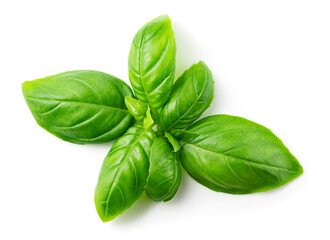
x=80, y=106
x=148, y=121
x=164, y=173
x=140, y=111
x=175, y=144
x=136, y=108
x=192, y=95
x=124, y=172
x=234, y=155
x=151, y=62
x=183, y=136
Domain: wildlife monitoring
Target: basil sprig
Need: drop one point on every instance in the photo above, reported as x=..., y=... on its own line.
x=224, y=153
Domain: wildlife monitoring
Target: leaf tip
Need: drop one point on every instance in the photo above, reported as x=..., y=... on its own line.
x=201, y=62
x=26, y=88
x=162, y=19
x=127, y=100
x=101, y=212
x=24, y=85
x=300, y=170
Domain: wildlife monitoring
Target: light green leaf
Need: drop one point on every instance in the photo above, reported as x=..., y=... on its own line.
x=136, y=108
x=175, y=144
x=148, y=121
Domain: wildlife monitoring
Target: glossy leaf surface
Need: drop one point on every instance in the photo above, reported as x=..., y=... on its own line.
x=175, y=144
x=124, y=172
x=136, y=108
x=80, y=106
x=183, y=135
x=164, y=173
x=234, y=155
x=192, y=95
x=148, y=120
x=151, y=62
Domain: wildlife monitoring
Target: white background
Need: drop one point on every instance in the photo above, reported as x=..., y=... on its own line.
x=271, y=64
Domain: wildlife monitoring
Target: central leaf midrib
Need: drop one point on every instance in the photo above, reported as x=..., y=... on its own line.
x=140, y=53
x=77, y=102
x=178, y=120
x=241, y=159
x=120, y=167
x=168, y=194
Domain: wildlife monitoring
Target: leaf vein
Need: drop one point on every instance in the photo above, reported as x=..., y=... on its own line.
x=77, y=102
x=241, y=159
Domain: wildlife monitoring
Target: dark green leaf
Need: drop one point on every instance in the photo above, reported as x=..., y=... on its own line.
x=164, y=173
x=151, y=62
x=124, y=172
x=80, y=106
x=192, y=95
x=234, y=155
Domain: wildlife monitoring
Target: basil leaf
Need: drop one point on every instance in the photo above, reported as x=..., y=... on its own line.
x=151, y=62
x=192, y=95
x=164, y=173
x=124, y=172
x=80, y=106
x=234, y=155
x=175, y=144
x=136, y=108
x=148, y=121
x=183, y=136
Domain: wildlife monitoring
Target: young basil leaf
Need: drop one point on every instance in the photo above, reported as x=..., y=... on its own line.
x=151, y=62
x=124, y=172
x=80, y=106
x=234, y=155
x=175, y=144
x=136, y=108
x=148, y=121
x=192, y=95
x=183, y=136
x=164, y=173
